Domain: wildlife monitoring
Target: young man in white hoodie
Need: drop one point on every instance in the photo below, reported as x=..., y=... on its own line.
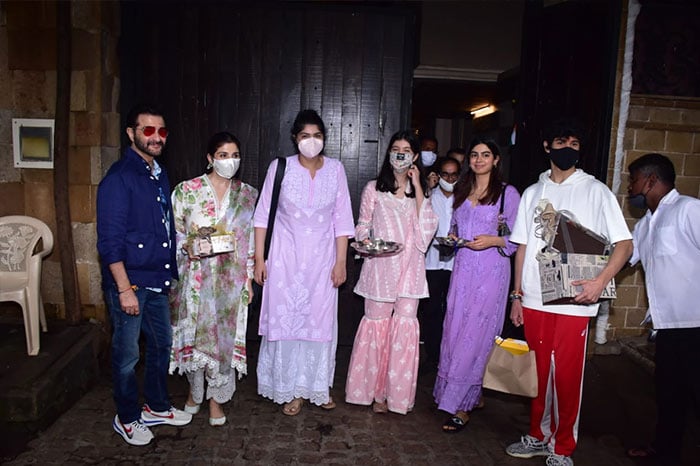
x=558, y=333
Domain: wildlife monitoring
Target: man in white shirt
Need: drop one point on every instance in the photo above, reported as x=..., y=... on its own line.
x=438, y=265
x=667, y=242
x=558, y=333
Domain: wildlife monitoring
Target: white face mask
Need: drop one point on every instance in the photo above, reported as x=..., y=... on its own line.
x=400, y=162
x=428, y=158
x=226, y=168
x=310, y=147
x=447, y=186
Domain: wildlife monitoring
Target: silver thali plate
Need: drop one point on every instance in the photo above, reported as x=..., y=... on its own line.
x=377, y=248
x=449, y=242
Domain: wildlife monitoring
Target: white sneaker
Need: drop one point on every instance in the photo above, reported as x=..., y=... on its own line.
x=173, y=417
x=559, y=460
x=134, y=433
x=527, y=447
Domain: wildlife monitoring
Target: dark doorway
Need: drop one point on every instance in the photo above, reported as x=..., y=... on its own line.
x=569, y=60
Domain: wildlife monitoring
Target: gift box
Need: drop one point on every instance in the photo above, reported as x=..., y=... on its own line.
x=212, y=244
x=573, y=253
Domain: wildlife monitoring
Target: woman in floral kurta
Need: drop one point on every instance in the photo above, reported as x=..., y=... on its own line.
x=476, y=299
x=384, y=363
x=210, y=301
x=305, y=267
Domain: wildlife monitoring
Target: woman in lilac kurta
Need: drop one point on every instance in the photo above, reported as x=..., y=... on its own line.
x=384, y=363
x=476, y=299
x=306, y=264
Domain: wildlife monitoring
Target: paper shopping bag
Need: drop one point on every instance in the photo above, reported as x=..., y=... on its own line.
x=511, y=373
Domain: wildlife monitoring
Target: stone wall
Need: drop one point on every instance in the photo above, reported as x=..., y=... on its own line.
x=28, y=90
x=669, y=126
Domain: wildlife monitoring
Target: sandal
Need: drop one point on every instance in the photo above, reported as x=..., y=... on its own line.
x=330, y=405
x=454, y=424
x=380, y=408
x=293, y=407
x=643, y=452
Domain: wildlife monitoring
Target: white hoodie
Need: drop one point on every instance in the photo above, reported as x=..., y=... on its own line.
x=593, y=205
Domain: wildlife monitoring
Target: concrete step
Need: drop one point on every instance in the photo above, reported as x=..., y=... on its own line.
x=36, y=390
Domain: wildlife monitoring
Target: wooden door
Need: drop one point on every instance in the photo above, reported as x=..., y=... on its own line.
x=249, y=69
x=568, y=67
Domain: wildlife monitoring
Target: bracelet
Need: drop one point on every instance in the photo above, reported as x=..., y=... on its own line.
x=132, y=288
x=515, y=295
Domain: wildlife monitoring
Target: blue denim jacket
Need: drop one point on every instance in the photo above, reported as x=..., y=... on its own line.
x=131, y=224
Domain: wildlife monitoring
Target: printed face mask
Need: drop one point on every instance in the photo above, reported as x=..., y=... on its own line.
x=226, y=168
x=428, y=158
x=446, y=185
x=564, y=158
x=310, y=147
x=400, y=162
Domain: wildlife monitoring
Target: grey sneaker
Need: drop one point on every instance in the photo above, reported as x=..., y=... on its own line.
x=527, y=447
x=173, y=417
x=559, y=460
x=134, y=433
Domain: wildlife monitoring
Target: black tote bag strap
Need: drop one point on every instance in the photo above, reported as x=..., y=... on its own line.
x=279, y=174
x=503, y=197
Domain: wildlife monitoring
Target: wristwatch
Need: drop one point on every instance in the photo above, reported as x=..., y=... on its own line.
x=515, y=295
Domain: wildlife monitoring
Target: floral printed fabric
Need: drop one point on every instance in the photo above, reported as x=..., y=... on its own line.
x=210, y=302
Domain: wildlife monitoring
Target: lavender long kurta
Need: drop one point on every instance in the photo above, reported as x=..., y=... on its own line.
x=299, y=301
x=476, y=303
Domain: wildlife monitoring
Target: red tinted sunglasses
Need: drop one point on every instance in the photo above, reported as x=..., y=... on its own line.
x=149, y=131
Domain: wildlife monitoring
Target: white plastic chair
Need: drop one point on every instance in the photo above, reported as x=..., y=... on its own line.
x=20, y=270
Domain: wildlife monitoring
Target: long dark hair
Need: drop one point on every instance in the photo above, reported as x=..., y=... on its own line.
x=218, y=140
x=386, y=182
x=466, y=183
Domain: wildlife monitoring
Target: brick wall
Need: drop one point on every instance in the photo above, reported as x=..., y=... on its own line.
x=28, y=90
x=669, y=126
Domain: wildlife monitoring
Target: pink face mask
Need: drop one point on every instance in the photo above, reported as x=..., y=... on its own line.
x=310, y=147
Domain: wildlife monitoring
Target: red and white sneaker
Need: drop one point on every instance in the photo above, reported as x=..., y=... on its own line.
x=173, y=417
x=134, y=433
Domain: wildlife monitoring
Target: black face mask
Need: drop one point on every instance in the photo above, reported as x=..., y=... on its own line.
x=564, y=158
x=638, y=200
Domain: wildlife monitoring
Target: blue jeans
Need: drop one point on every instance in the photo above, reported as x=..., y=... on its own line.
x=154, y=322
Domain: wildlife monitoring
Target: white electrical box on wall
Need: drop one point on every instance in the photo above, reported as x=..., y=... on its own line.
x=32, y=142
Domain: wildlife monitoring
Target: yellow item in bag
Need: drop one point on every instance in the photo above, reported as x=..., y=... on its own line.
x=516, y=347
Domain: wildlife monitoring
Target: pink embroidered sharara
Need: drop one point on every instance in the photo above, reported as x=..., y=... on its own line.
x=384, y=361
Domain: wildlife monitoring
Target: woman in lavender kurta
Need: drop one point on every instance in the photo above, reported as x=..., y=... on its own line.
x=210, y=301
x=305, y=266
x=384, y=363
x=476, y=300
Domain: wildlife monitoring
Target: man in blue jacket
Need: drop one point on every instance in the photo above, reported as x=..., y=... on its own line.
x=136, y=243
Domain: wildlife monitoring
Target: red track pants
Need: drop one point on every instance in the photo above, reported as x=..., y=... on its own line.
x=559, y=342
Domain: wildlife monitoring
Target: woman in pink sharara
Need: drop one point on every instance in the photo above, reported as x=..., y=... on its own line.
x=305, y=266
x=384, y=362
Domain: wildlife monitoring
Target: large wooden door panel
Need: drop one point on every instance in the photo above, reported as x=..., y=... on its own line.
x=249, y=69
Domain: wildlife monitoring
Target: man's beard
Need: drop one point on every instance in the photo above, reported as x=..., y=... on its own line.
x=153, y=149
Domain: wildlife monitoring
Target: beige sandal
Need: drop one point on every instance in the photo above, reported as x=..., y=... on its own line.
x=330, y=405
x=293, y=407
